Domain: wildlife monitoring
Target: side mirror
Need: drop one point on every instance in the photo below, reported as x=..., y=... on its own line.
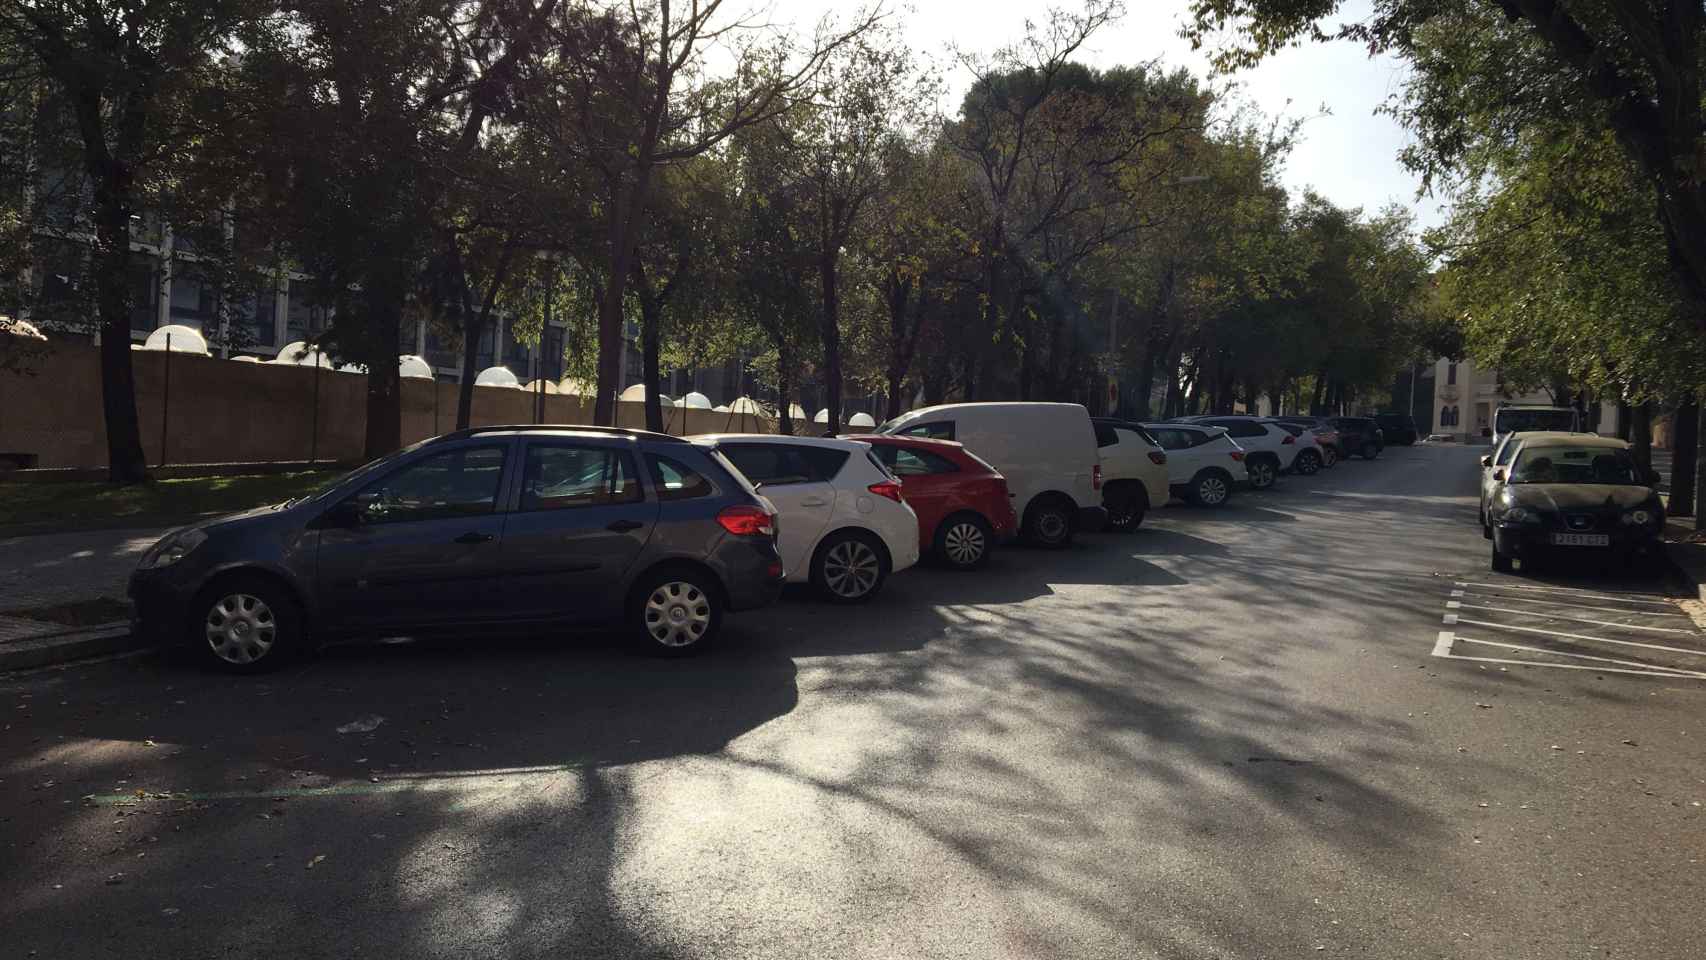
x=1499, y=475
x=1486, y=461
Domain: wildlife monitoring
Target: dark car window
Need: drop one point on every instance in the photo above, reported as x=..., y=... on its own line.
x=780, y=463
x=936, y=430
x=822, y=463
x=1290, y=428
x=1241, y=428
x=559, y=476
x=456, y=483
x=915, y=463
x=1169, y=439
x=1105, y=435
x=1574, y=465
x=675, y=480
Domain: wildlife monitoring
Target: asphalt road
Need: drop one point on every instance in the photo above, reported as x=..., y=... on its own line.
x=1227, y=735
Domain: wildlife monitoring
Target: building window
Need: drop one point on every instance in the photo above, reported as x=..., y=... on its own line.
x=304, y=318
x=253, y=320
x=193, y=302
x=515, y=352
x=1445, y=416
x=144, y=294
x=1451, y=372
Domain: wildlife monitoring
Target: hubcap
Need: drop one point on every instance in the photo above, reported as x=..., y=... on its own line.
x=963, y=543
x=1212, y=491
x=1052, y=526
x=241, y=629
x=678, y=614
x=850, y=569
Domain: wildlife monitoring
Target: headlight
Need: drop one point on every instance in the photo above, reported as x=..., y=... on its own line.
x=1638, y=517
x=1521, y=515
x=173, y=548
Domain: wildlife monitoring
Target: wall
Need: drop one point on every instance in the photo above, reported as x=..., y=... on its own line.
x=224, y=411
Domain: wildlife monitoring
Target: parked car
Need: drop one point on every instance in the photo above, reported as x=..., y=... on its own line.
x=1268, y=449
x=1047, y=452
x=491, y=527
x=1574, y=495
x=844, y=523
x=1529, y=418
x=1134, y=472
x=1203, y=463
x=1398, y=428
x=1311, y=455
x=962, y=503
x=1359, y=436
x=1497, y=463
x=1326, y=435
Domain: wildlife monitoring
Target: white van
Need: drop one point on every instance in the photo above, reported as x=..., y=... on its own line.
x=1047, y=452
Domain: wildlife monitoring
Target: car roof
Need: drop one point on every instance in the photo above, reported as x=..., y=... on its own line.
x=829, y=443
x=554, y=430
x=1534, y=406
x=1555, y=438
x=897, y=440
x=1164, y=424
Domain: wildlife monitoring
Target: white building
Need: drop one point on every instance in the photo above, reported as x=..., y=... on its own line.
x=1465, y=398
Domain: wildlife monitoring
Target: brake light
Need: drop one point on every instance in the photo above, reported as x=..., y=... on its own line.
x=1158, y=458
x=748, y=521
x=1096, y=477
x=1237, y=455
x=887, y=488
x=1288, y=439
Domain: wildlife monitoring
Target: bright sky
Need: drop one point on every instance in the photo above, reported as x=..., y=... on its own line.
x=1349, y=156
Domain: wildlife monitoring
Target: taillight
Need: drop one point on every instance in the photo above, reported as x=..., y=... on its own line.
x=1288, y=439
x=747, y=521
x=1096, y=477
x=1237, y=454
x=887, y=488
x=1158, y=458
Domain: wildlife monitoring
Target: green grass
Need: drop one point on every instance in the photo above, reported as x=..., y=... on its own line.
x=70, y=506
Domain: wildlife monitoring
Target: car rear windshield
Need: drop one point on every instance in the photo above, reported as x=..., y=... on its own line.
x=1574, y=465
x=1524, y=421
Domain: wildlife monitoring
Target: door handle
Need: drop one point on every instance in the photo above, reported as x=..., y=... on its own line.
x=623, y=526
x=813, y=502
x=474, y=536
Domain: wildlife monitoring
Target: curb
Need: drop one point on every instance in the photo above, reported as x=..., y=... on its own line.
x=71, y=645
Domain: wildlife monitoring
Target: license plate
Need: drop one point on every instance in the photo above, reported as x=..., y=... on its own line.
x=1581, y=540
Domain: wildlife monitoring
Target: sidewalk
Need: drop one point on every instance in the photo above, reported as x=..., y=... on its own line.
x=54, y=570
x=1686, y=554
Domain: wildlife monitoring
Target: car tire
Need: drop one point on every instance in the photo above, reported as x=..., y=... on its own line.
x=1264, y=471
x=850, y=566
x=1126, y=508
x=1370, y=451
x=963, y=541
x=247, y=624
x=1500, y=562
x=1308, y=463
x=1048, y=522
x=676, y=611
x=1329, y=456
x=1486, y=530
x=1211, y=488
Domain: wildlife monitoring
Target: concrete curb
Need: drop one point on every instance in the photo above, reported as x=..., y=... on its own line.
x=70, y=645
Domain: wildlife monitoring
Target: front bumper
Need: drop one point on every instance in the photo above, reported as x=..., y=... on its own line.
x=1531, y=539
x=159, y=602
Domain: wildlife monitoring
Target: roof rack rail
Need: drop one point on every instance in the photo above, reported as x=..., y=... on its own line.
x=577, y=427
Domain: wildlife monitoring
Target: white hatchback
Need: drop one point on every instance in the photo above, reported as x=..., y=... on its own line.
x=1203, y=463
x=842, y=522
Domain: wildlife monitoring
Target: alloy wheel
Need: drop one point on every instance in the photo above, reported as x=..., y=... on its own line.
x=240, y=628
x=1212, y=491
x=1261, y=475
x=964, y=543
x=851, y=569
x=677, y=614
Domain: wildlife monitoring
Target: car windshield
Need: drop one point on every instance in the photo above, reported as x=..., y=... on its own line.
x=1524, y=421
x=1565, y=464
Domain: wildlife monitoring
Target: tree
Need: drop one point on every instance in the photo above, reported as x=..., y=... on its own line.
x=1633, y=66
x=625, y=90
x=129, y=75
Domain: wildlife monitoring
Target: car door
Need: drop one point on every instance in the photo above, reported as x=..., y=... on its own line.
x=804, y=498
x=928, y=482
x=420, y=545
x=581, y=519
x=1183, y=460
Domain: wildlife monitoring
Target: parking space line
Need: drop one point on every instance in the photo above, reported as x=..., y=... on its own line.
x=1659, y=599
x=1579, y=656
x=1564, y=603
x=1454, y=604
x=1655, y=672
x=1453, y=618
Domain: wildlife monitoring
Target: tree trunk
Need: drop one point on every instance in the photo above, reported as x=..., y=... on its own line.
x=1686, y=435
x=125, y=460
x=831, y=332
x=784, y=387
x=649, y=363
x=1641, y=446
x=1623, y=420
x=624, y=218
x=473, y=328
x=384, y=387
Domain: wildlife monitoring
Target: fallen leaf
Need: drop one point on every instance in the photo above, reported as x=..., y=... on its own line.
x=115, y=879
x=317, y=858
x=366, y=724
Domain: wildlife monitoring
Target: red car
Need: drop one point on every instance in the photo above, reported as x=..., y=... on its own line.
x=962, y=503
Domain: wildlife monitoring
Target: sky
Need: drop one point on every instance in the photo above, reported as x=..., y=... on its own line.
x=1348, y=155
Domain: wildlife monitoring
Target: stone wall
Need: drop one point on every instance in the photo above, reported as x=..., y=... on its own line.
x=224, y=411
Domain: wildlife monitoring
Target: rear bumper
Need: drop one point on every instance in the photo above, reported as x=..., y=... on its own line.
x=752, y=573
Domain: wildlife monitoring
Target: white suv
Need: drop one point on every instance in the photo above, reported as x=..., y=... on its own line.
x=1269, y=450
x=1203, y=464
x=842, y=522
x=1134, y=472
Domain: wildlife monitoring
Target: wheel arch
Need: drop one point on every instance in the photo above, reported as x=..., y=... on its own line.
x=303, y=598
x=862, y=531
x=646, y=573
